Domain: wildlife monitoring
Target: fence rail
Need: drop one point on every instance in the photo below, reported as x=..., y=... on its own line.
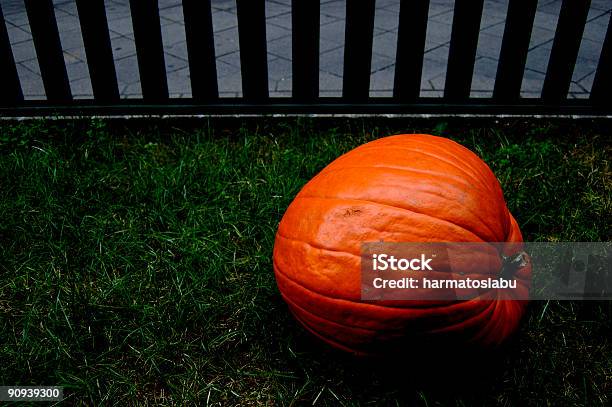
x=305, y=97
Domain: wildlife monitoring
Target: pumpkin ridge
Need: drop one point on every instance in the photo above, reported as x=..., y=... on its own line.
x=454, y=326
x=475, y=214
x=481, y=240
x=315, y=246
x=323, y=248
x=443, y=159
x=400, y=168
x=440, y=305
x=341, y=324
x=443, y=143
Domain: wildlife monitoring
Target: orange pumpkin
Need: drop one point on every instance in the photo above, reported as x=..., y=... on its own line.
x=404, y=188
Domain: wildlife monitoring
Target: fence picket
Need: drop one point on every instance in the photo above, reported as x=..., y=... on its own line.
x=568, y=36
x=410, y=49
x=462, y=53
x=305, y=21
x=253, y=50
x=48, y=50
x=98, y=49
x=200, y=49
x=359, y=34
x=149, y=49
x=515, y=45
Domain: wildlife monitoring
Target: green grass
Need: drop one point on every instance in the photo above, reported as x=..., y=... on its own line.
x=135, y=265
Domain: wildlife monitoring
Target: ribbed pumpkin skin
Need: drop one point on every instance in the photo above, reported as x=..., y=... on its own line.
x=404, y=188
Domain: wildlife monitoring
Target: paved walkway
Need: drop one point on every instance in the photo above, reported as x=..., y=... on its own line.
x=279, y=47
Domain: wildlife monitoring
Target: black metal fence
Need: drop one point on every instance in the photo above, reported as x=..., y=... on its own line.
x=305, y=97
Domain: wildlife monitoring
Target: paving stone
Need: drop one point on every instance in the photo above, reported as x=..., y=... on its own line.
x=122, y=26
x=431, y=93
x=11, y=6
x=596, y=28
x=284, y=85
x=537, y=59
x=178, y=50
x=66, y=21
x=493, y=13
x=223, y=4
x=278, y=68
x=333, y=32
x=127, y=70
x=392, y=5
x=540, y=36
x=17, y=34
x=488, y=46
x=532, y=83
x=445, y=18
x=329, y=85
x=173, y=63
x=17, y=19
x=123, y=47
x=81, y=88
x=437, y=9
x=275, y=9
x=382, y=80
x=284, y=20
x=386, y=44
x=32, y=65
x=334, y=9
x=438, y=81
x=116, y=10
x=77, y=70
x=280, y=47
x=495, y=29
x=170, y=3
x=605, y=5
x=274, y=32
x=439, y=54
x=71, y=39
x=385, y=19
x=550, y=7
x=132, y=91
x=483, y=78
x=230, y=64
x=226, y=42
x=31, y=82
x=179, y=82
x=583, y=68
x=546, y=20
x=231, y=84
x=434, y=74
x=590, y=49
x=587, y=81
x=280, y=94
x=285, y=2
x=223, y=20
x=173, y=13
x=437, y=34
x=23, y=51
x=172, y=34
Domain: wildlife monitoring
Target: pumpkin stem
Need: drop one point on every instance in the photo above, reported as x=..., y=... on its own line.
x=511, y=264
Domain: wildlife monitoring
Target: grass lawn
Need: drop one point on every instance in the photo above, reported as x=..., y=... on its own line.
x=135, y=264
